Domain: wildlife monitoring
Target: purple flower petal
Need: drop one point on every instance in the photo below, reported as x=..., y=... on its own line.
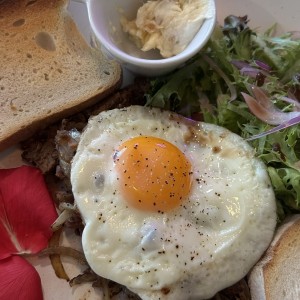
x=284, y=125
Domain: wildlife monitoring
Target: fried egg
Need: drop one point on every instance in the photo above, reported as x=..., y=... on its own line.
x=173, y=209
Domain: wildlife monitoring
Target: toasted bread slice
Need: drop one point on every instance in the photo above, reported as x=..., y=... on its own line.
x=47, y=69
x=276, y=275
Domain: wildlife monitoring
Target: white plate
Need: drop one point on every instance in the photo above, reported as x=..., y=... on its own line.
x=262, y=15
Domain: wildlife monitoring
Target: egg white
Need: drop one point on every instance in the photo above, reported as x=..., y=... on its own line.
x=207, y=243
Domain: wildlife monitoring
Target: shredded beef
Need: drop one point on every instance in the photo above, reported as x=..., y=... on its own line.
x=40, y=150
x=66, y=144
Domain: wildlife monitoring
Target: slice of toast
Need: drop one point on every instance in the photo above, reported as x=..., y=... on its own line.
x=276, y=275
x=47, y=69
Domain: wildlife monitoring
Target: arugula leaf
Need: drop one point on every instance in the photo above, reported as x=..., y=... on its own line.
x=176, y=92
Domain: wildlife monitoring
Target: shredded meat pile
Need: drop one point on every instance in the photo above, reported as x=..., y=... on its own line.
x=52, y=150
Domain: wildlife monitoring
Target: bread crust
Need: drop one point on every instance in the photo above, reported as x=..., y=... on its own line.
x=276, y=275
x=47, y=69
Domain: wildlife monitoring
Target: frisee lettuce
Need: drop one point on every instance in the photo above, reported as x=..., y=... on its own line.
x=211, y=85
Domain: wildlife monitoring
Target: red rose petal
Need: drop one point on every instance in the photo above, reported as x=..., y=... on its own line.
x=26, y=211
x=7, y=247
x=19, y=280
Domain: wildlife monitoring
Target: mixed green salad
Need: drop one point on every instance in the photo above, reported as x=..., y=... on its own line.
x=248, y=82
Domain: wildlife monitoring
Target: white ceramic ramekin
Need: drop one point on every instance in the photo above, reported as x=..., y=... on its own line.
x=104, y=18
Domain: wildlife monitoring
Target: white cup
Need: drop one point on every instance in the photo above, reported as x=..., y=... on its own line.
x=104, y=18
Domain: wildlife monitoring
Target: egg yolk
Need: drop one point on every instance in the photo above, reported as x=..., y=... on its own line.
x=153, y=174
